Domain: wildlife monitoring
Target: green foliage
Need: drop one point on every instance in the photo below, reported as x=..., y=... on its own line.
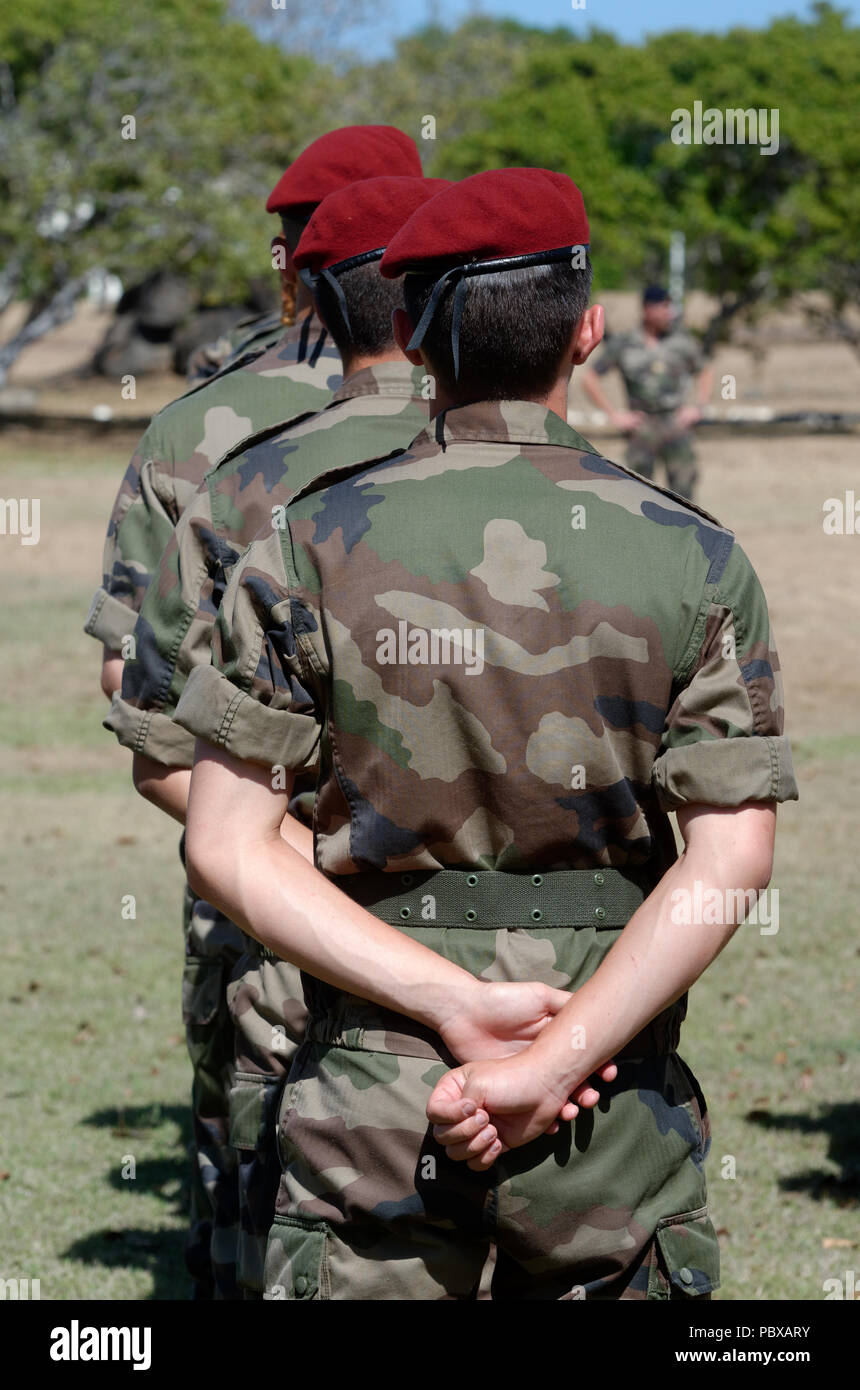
x=758, y=227
x=219, y=113
x=217, y=118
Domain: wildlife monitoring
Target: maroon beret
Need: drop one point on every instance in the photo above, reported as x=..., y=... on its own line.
x=360, y=218
x=343, y=156
x=491, y=216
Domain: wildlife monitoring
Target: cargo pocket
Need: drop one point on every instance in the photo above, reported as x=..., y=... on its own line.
x=254, y=1102
x=296, y=1260
x=687, y=1257
x=201, y=989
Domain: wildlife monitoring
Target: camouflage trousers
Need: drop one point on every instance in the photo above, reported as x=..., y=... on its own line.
x=268, y=1015
x=659, y=440
x=212, y=946
x=369, y=1206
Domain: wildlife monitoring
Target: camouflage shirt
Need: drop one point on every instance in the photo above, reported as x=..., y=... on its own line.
x=183, y=441
x=505, y=651
x=657, y=373
x=376, y=410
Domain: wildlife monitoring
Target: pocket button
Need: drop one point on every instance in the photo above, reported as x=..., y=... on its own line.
x=685, y=1275
x=302, y=1285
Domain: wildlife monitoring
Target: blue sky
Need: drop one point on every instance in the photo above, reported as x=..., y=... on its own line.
x=629, y=19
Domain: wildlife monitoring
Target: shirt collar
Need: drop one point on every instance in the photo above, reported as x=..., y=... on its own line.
x=503, y=422
x=396, y=378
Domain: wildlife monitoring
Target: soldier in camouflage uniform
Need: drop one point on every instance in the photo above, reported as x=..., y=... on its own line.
x=510, y=658
x=657, y=362
x=297, y=374
x=253, y=331
x=378, y=408
x=261, y=389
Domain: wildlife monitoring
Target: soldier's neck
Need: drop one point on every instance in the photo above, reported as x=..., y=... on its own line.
x=351, y=365
x=304, y=300
x=555, y=400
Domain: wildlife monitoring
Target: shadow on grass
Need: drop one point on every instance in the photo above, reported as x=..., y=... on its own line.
x=841, y=1124
x=160, y=1253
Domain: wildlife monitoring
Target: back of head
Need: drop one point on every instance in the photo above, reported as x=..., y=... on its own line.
x=497, y=276
x=339, y=253
x=516, y=327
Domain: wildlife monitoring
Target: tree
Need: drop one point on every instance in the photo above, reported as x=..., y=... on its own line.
x=759, y=228
x=322, y=30
x=137, y=140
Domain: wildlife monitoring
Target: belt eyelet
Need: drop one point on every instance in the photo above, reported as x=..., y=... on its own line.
x=600, y=913
x=472, y=880
x=537, y=880
x=405, y=912
x=470, y=914
x=536, y=914
x=599, y=880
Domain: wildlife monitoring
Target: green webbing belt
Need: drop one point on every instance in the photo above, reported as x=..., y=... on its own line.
x=489, y=898
x=602, y=898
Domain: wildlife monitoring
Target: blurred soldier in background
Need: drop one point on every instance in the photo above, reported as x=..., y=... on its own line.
x=657, y=362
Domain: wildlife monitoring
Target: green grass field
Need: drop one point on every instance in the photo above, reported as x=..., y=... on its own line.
x=95, y=1064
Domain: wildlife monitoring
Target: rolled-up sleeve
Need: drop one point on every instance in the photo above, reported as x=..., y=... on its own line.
x=173, y=632
x=262, y=698
x=150, y=732
x=109, y=619
x=723, y=742
x=140, y=525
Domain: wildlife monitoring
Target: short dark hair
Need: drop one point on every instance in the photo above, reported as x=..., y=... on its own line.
x=370, y=302
x=515, y=329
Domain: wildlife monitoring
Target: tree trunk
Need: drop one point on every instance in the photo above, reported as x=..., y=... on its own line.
x=59, y=310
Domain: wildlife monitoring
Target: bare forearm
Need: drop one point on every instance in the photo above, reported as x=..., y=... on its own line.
x=166, y=787
x=299, y=836
x=112, y=664
x=660, y=953
x=277, y=896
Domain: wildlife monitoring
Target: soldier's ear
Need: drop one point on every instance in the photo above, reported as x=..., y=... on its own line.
x=403, y=330
x=282, y=259
x=587, y=335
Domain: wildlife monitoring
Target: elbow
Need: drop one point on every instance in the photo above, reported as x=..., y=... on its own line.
x=731, y=845
x=761, y=868
x=144, y=783
x=753, y=870
x=213, y=866
x=755, y=847
x=201, y=867
x=111, y=674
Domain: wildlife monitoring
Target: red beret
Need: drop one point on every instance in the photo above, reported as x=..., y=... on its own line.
x=360, y=218
x=491, y=216
x=343, y=156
